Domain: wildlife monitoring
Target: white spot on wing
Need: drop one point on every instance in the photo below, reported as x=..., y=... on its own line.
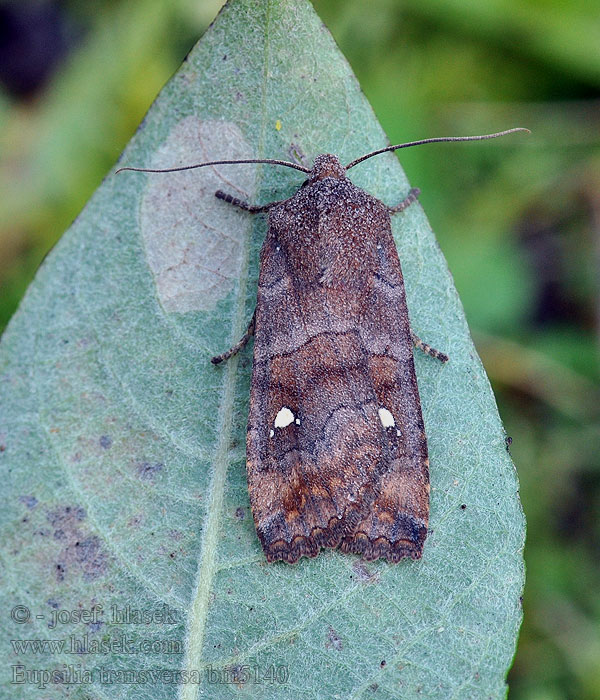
x=386, y=418
x=284, y=417
x=271, y=433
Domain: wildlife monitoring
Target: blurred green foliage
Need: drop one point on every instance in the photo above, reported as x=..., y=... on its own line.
x=518, y=220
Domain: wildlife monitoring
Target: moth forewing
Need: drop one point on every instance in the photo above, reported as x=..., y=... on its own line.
x=336, y=451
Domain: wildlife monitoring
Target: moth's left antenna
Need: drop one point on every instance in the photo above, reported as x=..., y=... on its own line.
x=217, y=162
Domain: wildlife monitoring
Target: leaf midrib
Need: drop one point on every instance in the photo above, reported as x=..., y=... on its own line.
x=196, y=624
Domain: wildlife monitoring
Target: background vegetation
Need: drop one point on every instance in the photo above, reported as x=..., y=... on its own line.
x=518, y=221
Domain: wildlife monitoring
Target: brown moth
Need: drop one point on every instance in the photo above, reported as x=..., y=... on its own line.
x=336, y=446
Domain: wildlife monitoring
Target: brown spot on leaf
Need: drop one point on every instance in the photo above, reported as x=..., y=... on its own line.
x=147, y=470
x=333, y=640
x=364, y=573
x=82, y=553
x=29, y=501
x=105, y=442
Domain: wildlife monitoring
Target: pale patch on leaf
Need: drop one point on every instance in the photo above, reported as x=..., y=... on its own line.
x=193, y=241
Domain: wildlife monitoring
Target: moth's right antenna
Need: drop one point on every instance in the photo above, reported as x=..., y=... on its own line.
x=438, y=139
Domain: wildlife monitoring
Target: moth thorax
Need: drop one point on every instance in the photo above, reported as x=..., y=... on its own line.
x=327, y=165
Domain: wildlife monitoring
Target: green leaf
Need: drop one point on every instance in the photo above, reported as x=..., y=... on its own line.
x=122, y=447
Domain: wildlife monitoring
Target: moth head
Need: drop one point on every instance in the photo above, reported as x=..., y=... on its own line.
x=327, y=165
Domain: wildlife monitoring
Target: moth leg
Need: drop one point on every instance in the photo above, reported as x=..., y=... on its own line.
x=427, y=349
x=411, y=197
x=253, y=209
x=238, y=346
